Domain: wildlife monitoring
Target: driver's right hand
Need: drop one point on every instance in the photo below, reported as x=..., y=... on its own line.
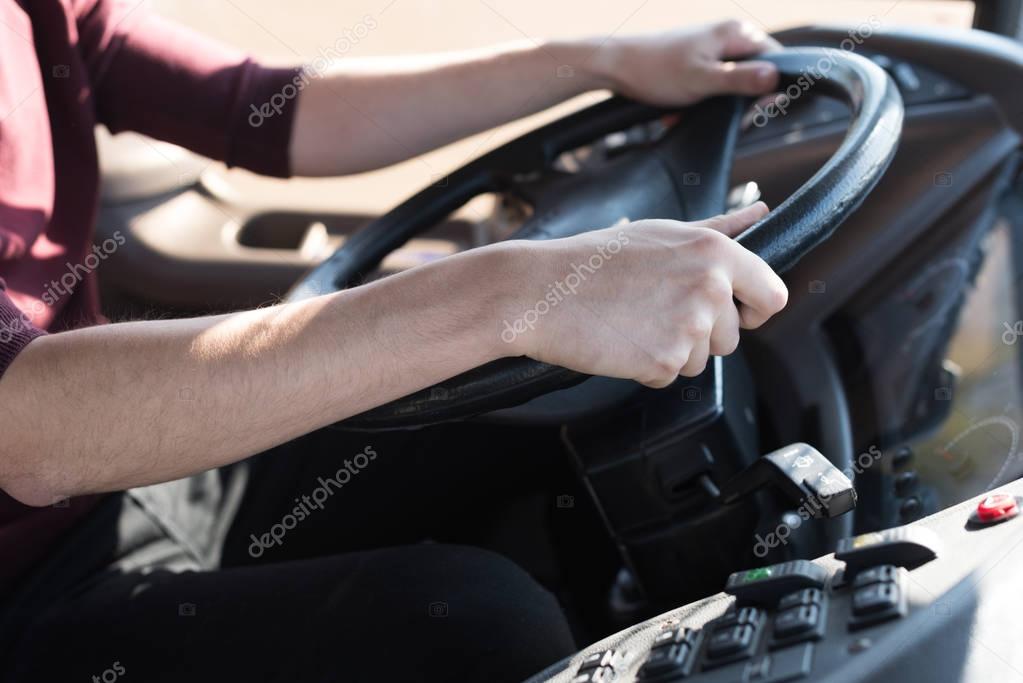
x=647, y=301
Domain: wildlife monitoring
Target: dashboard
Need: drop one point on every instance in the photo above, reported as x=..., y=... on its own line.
x=976, y=448
x=929, y=601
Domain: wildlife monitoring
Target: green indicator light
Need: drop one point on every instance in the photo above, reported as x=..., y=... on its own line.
x=757, y=574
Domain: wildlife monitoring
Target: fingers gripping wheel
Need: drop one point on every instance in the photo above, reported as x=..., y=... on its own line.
x=655, y=181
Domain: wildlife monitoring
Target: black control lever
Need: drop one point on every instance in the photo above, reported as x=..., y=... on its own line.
x=804, y=476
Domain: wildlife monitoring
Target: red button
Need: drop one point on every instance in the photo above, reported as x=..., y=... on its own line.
x=997, y=506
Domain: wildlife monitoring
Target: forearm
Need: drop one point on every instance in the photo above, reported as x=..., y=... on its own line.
x=115, y=406
x=367, y=113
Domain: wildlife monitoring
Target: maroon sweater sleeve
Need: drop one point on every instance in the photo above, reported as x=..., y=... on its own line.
x=155, y=77
x=16, y=330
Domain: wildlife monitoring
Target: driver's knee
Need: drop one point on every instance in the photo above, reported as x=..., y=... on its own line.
x=469, y=614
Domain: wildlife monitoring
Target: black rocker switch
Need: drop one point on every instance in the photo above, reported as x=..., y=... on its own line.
x=803, y=475
x=905, y=546
x=767, y=585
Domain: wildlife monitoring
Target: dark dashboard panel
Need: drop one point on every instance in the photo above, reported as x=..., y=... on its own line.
x=796, y=110
x=980, y=62
x=649, y=470
x=876, y=296
x=902, y=605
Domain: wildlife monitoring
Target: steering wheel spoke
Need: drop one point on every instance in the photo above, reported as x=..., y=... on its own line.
x=697, y=153
x=628, y=188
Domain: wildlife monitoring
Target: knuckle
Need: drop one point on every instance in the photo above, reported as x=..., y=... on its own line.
x=696, y=327
x=665, y=366
x=751, y=320
x=658, y=382
x=726, y=344
x=778, y=296
x=732, y=344
x=714, y=222
x=708, y=241
x=715, y=289
x=728, y=27
x=693, y=370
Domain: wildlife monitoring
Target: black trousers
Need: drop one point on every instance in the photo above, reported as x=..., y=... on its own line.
x=312, y=562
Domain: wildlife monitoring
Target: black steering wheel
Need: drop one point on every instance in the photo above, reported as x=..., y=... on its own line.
x=684, y=176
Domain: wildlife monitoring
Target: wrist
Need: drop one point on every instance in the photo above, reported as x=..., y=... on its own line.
x=446, y=313
x=501, y=273
x=509, y=267
x=592, y=61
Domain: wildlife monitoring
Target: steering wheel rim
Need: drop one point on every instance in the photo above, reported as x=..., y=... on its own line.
x=796, y=226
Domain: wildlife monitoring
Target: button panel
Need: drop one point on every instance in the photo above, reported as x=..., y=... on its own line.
x=730, y=640
x=780, y=611
x=902, y=546
x=742, y=615
x=879, y=596
x=801, y=616
x=808, y=596
x=666, y=660
x=766, y=585
x=781, y=666
x=672, y=655
x=876, y=597
x=879, y=574
x=797, y=621
x=847, y=620
x=734, y=636
x=995, y=508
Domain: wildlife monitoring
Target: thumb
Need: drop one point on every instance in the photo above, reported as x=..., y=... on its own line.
x=735, y=223
x=743, y=78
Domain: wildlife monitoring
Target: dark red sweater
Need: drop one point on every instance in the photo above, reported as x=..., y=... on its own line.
x=66, y=65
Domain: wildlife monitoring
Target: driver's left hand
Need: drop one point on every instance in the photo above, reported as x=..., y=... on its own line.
x=684, y=66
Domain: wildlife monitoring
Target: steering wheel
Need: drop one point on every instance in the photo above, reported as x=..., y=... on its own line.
x=684, y=175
